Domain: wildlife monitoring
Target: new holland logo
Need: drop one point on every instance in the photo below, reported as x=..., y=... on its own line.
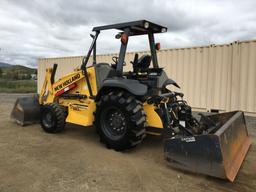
x=67, y=82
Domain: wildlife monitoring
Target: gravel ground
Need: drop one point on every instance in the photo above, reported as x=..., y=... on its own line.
x=31, y=160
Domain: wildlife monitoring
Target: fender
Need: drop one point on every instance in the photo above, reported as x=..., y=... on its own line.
x=130, y=85
x=164, y=81
x=170, y=82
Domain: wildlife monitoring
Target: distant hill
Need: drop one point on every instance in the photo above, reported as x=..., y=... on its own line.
x=5, y=64
x=19, y=69
x=17, y=72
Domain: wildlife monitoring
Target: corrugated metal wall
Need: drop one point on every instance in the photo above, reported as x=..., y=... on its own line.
x=220, y=77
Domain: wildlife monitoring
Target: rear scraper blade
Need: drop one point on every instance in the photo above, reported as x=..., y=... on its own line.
x=219, y=154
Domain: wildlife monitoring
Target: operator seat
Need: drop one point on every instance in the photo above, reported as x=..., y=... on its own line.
x=102, y=72
x=141, y=64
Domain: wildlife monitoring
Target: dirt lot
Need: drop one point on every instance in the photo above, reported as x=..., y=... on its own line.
x=31, y=160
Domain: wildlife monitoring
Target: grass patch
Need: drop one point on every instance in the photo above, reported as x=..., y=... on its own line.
x=18, y=86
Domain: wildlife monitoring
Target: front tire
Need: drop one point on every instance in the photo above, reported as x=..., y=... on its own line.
x=120, y=120
x=53, y=118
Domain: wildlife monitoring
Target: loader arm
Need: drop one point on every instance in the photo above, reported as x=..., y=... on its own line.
x=47, y=87
x=50, y=91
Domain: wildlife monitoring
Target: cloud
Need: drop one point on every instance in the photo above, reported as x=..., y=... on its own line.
x=35, y=29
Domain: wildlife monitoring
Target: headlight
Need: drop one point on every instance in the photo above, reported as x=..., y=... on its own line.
x=163, y=30
x=146, y=25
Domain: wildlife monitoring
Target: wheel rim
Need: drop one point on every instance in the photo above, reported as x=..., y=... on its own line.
x=113, y=122
x=48, y=119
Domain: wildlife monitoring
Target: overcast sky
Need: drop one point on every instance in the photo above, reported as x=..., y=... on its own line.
x=31, y=29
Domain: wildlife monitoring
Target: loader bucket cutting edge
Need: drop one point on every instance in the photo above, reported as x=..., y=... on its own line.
x=26, y=110
x=219, y=154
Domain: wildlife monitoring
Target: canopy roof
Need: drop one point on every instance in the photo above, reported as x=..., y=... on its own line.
x=136, y=27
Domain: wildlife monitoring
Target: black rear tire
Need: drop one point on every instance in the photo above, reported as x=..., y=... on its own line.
x=120, y=120
x=53, y=118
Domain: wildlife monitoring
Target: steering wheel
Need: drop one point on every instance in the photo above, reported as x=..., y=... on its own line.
x=115, y=60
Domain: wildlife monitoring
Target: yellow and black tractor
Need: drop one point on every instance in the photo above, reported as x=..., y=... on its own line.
x=126, y=106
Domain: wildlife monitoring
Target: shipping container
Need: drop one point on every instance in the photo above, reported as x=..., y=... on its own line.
x=213, y=77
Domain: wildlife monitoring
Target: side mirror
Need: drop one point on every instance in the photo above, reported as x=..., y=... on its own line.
x=158, y=46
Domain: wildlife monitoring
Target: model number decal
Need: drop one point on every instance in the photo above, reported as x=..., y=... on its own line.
x=188, y=139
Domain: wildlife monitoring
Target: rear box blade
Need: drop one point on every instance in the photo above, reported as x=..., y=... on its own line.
x=219, y=154
x=26, y=110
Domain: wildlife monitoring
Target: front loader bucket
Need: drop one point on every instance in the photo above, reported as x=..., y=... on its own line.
x=219, y=154
x=26, y=110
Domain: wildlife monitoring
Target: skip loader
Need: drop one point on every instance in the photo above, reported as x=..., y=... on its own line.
x=126, y=106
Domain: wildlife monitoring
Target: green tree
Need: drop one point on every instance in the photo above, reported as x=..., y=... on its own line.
x=12, y=74
x=15, y=75
x=29, y=76
x=1, y=73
